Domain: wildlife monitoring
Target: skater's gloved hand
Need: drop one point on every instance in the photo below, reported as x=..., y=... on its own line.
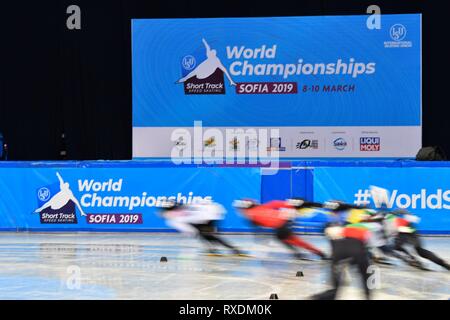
x=405, y=229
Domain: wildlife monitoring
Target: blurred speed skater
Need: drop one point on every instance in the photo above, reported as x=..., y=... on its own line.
x=403, y=228
x=278, y=215
x=405, y=224
x=197, y=220
x=346, y=214
x=349, y=245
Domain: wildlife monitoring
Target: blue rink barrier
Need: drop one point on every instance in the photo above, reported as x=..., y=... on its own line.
x=121, y=195
x=420, y=187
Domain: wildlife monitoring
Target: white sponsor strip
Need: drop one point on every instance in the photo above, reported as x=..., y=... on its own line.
x=335, y=142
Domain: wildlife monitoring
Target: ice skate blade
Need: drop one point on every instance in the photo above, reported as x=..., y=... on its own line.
x=243, y=255
x=215, y=255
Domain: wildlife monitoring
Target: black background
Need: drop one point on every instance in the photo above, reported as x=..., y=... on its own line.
x=55, y=80
x=280, y=309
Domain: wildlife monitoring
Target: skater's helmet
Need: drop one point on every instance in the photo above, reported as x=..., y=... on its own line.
x=244, y=203
x=400, y=212
x=333, y=205
x=166, y=205
x=296, y=202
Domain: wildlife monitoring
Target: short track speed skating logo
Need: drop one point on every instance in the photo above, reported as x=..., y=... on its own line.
x=57, y=203
x=203, y=73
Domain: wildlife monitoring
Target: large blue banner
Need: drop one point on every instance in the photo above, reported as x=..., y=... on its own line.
x=335, y=87
x=40, y=198
x=424, y=191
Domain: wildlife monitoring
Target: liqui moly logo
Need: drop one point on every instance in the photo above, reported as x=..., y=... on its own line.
x=369, y=144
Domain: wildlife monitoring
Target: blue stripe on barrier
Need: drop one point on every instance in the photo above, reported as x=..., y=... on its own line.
x=166, y=163
x=298, y=229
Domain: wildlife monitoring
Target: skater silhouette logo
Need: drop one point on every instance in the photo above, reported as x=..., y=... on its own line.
x=203, y=72
x=57, y=203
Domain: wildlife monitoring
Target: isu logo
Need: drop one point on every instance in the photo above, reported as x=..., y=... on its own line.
x=369, y=144
x=397, y=32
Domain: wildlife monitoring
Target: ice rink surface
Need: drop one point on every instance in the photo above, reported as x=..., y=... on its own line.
x=127, y=266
